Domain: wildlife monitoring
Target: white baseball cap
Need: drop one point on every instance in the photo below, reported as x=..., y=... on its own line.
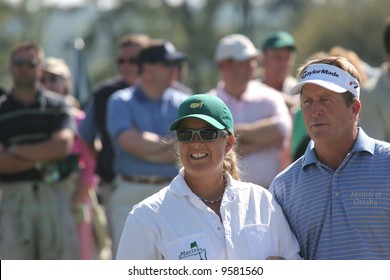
x=57, y=66
x=328, y=76
x=236, y=47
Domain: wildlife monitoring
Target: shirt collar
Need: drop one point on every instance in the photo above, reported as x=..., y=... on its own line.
x=180, y=187
x=363, y=143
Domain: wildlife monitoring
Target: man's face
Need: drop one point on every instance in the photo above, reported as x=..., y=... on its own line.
x=239, y=72
x=25, y=68
x=55, y=83
x=327, y=118
x=127, y=64
x=278, y=62
x=158, y=74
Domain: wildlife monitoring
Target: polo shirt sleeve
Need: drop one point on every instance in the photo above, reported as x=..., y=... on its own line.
x=288, y=244
x=281, y=115
x=119, y=116
x=64, y=118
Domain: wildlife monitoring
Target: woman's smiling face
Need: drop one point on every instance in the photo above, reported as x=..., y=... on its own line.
x=203, y=157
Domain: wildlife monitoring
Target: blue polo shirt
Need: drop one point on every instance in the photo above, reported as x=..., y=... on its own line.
x=341, y=214
x=130, y=108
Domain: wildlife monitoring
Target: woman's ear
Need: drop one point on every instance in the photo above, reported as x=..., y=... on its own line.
x=229, y=143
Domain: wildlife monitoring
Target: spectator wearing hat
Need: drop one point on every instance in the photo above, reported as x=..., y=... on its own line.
x=262, y=120
x=138, y=118
x=57, y=78
x=207, y=212
x=336, y=197
x=277, y=59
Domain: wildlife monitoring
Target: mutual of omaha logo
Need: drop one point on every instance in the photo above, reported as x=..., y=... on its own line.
x=194, y=250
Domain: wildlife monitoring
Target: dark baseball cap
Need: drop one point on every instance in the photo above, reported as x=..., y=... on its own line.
x=165, y=52
x=279, y=39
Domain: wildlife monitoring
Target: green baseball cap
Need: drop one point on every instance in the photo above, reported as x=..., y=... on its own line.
x=279, y=39
x=207, y=107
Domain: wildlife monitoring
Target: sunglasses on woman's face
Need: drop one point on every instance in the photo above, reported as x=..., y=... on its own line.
x=204, y=134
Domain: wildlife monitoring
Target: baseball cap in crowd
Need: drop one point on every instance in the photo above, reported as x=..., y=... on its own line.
x=207, y=107
x=236, y=47
x=328, y=76
x=279, y=39
x=165, y=52
x=57, y=66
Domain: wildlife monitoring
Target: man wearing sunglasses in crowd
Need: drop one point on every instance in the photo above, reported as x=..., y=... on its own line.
x=137, y=120
x=206, y=212
x=94, y=125
x=36, y=136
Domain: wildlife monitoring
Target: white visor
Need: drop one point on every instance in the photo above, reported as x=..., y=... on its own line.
x=330, y=77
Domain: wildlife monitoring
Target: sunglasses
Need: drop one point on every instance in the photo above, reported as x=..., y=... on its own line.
x=28, y=63
x=122, y=61
x=205, y=134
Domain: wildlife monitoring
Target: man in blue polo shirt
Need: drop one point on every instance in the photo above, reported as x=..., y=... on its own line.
x=337, y=196
x=138, y=119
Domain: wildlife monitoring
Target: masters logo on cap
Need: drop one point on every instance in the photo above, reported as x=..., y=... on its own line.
x=208, y=108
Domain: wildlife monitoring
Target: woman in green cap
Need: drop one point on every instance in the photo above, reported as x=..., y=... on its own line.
x=206, y=212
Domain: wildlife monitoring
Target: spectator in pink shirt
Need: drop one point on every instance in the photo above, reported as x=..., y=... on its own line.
x=262, y=119
x=57, y=78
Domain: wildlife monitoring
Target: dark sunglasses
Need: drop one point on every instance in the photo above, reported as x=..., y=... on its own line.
x=121, y=61
x=205, y=134
x=28, y=63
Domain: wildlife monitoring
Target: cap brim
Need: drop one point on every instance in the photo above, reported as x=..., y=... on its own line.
x=325, y=84
x=175, y=56
x=210, y=120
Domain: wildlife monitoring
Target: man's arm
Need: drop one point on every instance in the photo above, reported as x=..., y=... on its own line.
x=12, y=164
x=147, y=146
x=56, y=148
x=258, y=135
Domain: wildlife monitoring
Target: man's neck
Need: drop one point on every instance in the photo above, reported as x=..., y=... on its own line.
x=274, y=83
x=153, y=92
x=235, y=90
x=26, y=96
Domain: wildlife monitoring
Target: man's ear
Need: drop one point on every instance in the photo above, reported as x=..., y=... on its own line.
x=356, y=105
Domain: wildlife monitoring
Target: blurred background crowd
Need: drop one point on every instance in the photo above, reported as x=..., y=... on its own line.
x=194, y=26
x=239, y=50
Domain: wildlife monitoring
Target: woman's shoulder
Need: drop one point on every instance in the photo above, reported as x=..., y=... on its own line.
x=242, y=186
x=153, y=202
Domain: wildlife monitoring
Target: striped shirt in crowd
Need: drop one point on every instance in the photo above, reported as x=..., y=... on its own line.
x=21, y=124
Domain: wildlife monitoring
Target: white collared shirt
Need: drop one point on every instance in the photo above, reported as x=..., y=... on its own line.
x=175, y=224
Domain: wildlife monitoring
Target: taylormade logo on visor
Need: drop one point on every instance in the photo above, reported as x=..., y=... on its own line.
x=322, y=71
x=330, y=77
